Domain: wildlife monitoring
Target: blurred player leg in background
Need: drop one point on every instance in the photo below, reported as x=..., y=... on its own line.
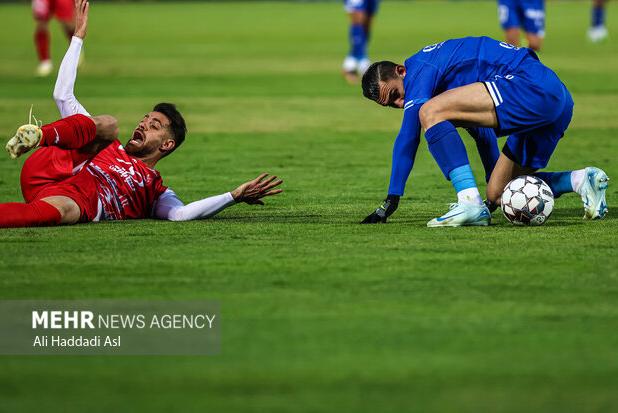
x=597, y=31
x=508, y=15
x=361, y=13
x=526, y=14
x=43, y=10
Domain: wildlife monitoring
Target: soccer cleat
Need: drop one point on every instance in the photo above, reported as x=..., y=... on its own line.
x=597, y=34
x=592, y=192
x=26, y=138
x=44, y=68
x=460, y=215
x=363, y=65
x=348, y=69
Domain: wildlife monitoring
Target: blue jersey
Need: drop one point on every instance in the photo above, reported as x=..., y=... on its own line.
x=440, y=67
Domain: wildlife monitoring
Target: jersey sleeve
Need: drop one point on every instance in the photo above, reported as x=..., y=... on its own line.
x=419, y=87
x=63, y=91
x=171, y=208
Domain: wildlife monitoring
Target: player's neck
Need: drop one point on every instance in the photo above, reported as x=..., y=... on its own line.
x=150, y=162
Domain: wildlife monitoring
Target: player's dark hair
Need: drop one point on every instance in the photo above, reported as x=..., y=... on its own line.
x=177, y=122
x=378, y=71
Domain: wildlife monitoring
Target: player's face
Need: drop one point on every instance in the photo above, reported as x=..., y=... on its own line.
x=392, y=93
x=150, y=135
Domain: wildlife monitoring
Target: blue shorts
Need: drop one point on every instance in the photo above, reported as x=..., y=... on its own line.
x=527, y=14
x=370, y=7
x=533, y=107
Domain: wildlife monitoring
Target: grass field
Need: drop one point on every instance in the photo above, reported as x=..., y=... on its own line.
x=320, y=314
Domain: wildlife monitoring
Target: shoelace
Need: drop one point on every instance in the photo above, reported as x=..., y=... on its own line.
x=37, y=122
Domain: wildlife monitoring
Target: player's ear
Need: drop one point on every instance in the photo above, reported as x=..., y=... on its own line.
x=168, y=145
x=400, y=70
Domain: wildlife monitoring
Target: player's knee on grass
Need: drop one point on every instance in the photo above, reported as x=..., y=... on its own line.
x=494, y=193
x=107, y=127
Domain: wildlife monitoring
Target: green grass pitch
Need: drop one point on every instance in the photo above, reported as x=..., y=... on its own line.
x=320, y=314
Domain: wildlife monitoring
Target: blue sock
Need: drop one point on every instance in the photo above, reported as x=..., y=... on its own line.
x=358, y=41
x=462, y=178
x=446, y=147
x=559, y=182
x=487, y=146
x=598, y=16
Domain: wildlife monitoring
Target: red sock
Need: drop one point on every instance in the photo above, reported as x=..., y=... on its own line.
x=72, y=132
x=41, y=39
x=35, y=214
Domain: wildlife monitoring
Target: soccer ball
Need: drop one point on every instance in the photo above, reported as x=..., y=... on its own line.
x=527, y=200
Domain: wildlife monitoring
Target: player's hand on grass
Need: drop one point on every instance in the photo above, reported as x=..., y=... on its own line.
x=251, y=192
x=81, y=18
x=384, y=211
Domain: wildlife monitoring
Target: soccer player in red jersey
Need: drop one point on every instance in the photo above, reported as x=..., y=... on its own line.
x=43, y=11
x=80, y=171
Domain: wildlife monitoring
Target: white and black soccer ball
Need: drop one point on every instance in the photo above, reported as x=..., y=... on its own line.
x=527, y=200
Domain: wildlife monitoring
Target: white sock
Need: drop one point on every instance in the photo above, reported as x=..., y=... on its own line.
x=469, y=196
x=577, y=179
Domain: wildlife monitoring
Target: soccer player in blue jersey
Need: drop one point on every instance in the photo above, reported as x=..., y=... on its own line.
x=597, y=31
x=361, y=14
x=490, y=87
x=525, y=14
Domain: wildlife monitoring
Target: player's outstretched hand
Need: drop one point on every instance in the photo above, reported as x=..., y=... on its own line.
x=251, y=192
x=384, y=211
x=81, y=18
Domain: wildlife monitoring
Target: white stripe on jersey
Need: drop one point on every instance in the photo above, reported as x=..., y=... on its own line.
x=493, y=94
x=497, y=91
x=409, y=104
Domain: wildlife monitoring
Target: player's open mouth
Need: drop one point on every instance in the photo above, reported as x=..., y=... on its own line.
x=137, y=138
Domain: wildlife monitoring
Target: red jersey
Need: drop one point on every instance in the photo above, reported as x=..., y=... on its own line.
x=127, y=188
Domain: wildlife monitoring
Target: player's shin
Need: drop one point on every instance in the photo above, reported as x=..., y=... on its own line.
x=72, y=132
x=358, y=41
x=34, y=214
x=562, y=182
x=448, y=150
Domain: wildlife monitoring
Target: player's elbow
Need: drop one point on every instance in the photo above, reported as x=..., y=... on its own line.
x=177, y=215
x=107, y=127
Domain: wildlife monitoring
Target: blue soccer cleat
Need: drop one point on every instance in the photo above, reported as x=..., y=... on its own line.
x=592, y=192
x=460, y=215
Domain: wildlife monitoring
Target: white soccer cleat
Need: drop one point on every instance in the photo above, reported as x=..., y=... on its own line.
x=44, y=68
x=460, y=215
x=592, y=192
x=349, y=64
x=349, y=70
x=363, y=65
x=597, y=34
x=27, y=137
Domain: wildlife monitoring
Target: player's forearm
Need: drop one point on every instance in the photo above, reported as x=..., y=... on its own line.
x=173, y=210
x=404, y=153
x=63, y=91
